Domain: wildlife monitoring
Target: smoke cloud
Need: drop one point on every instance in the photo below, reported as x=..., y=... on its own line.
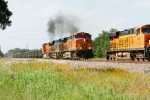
x=61, y=25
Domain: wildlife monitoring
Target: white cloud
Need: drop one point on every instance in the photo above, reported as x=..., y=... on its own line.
x=141, y=4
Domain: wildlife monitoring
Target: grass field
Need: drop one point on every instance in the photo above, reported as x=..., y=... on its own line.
x=50, y=81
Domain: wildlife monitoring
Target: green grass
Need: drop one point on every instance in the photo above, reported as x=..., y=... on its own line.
x=49, y=81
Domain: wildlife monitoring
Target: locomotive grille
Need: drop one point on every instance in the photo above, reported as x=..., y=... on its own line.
x=84, y=46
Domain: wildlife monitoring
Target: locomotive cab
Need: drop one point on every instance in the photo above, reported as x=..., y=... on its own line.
x=83, y=43
x=146, y=31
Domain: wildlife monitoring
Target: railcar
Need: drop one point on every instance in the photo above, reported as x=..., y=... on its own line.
x=24, y=55
x=36, y=54
x=39, y=53
x=30, y=54
x=133, y=43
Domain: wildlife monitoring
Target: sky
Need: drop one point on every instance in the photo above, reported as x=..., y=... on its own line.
x=30, y=19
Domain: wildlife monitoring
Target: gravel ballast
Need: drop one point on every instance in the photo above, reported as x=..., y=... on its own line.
x=132, y=67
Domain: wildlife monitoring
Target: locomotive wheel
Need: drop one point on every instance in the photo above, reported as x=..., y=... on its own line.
x=145, y=60
x=114, y=58
x=86, y=58
x=107, y=57
x=60, y=55
x=133, y=56
x=136, y=59
x=79, y=59
x=141, y=59
x=110, y=58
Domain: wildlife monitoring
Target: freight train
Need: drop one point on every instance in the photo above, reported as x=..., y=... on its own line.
x=77, y=46
x=133, y=43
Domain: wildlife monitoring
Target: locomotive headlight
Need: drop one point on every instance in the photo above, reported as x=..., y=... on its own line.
x=84, y=40
x=90, y=47
x=149, y=41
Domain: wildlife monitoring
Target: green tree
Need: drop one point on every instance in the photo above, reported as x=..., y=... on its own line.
x=15, y=51
x=1, y=54
x=4, y=15
x=101, y=43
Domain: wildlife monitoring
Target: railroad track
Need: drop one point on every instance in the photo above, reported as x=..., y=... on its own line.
x=91, y=60
x=121, y=61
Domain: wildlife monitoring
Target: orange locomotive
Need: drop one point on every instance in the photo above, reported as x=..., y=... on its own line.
x=76, y=46
x=133, y=43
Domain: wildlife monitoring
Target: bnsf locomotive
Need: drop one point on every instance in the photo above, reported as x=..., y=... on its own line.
x=133, y=43
x=77, y=46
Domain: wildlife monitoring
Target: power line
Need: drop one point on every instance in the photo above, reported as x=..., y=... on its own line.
x=21, y=38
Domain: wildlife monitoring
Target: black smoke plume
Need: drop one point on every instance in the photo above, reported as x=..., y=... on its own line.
x=61, y=25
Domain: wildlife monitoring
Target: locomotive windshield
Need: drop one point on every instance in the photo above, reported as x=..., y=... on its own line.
x=145, y=30
x=60, y=41
x=78, y=36
x=87, y=36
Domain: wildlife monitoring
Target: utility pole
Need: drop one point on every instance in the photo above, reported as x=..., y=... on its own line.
x=26, y=47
